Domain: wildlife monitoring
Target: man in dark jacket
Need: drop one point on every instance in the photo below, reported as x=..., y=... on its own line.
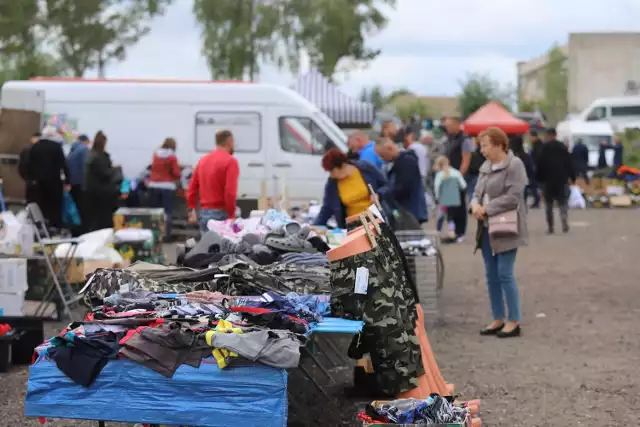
x=76, y=162
x=534, y=152
x=405, y=185
x=618, y=152
x=459, y=150
x=46, y=168
x=554, y=171
x=23, y=169
x=580, y=156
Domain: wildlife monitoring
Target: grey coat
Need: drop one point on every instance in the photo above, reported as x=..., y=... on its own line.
x=500, y=188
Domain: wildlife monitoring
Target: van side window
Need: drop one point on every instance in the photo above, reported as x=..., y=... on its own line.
x=303, y=136
x=629, y=110
x=598, y=113
x=245, y=127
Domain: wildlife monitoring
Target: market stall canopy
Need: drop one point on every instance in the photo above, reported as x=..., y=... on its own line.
x=494, y=115
x=344, y=110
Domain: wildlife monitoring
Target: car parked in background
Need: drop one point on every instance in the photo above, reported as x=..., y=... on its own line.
x=537, y=120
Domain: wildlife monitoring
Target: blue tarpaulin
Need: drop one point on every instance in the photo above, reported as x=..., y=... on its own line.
x=244, y=394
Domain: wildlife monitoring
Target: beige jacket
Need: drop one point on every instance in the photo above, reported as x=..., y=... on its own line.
x=500, y=188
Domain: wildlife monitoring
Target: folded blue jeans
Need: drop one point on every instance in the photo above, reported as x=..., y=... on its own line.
x=207, y=214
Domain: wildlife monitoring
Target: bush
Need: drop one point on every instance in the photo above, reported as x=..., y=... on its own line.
x=631, y=142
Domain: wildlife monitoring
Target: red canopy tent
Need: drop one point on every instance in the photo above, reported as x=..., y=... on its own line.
x=494, y=115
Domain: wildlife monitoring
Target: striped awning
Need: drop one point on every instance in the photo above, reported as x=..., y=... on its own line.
x=344, y=110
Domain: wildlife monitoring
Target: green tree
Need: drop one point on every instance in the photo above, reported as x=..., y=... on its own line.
x=556, y=84
x=374, y=96
x=413, y=107
x=480, y=89
x=398, y=93
x=92, y=33
x=21, y=37
x=237, y=35
x=332, y=30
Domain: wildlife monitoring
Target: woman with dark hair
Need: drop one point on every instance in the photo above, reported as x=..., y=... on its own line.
x=163, y=180
x=100, y=185
x=347, y=190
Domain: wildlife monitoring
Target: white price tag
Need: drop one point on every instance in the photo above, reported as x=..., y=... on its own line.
x=362, y=281
x=376, y=212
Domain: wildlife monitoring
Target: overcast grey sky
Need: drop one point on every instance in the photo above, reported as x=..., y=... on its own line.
x=428, y=46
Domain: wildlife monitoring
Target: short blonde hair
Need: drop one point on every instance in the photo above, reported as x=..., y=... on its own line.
x=497, y=138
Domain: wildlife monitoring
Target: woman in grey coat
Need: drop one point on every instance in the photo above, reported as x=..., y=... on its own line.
x=500, y=189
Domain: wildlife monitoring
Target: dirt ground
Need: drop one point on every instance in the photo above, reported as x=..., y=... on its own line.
x=575, y=365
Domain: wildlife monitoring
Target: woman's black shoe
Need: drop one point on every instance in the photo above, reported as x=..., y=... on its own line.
x=516, y=332
x=491, y=331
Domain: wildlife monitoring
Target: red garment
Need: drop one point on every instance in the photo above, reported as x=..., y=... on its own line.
x=164, y=166
x=215, y=183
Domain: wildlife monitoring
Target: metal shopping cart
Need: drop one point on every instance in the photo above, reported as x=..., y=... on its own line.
x=426, y=265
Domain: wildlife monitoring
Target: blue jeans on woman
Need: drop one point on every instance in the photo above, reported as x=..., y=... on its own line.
x=501, y=281
x=207, y=214
x=163, y=198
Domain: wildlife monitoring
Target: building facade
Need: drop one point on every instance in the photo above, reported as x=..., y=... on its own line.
x=599, y=65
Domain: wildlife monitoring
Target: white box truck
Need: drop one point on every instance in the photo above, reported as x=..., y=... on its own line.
x=280, y=137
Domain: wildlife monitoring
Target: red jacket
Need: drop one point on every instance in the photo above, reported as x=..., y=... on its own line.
x=215, y=183
x=164, y=167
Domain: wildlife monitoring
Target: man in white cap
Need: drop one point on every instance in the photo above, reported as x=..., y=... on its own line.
x=48, y=170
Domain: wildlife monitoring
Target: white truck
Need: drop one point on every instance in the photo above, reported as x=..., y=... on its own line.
x=280, y=137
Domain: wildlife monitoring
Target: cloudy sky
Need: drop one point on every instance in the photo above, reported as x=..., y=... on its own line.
x=427, y=47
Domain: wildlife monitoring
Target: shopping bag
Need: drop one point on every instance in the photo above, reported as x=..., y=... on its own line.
x=576, y=200
x=70, y=215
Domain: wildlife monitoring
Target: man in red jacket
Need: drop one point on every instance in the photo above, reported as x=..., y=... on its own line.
x=215, y=183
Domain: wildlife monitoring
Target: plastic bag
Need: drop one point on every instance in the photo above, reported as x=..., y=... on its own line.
x=70, y=215
x=16, y=234
x=576, y=201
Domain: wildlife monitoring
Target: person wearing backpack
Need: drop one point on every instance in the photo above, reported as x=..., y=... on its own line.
x=163, y=180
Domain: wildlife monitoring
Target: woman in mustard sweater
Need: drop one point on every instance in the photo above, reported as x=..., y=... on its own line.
x=347, y=190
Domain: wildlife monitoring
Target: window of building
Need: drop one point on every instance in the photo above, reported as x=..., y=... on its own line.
x=245, y=127
x=302, y=135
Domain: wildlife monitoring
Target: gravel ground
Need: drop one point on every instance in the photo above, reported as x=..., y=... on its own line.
x=577, y=361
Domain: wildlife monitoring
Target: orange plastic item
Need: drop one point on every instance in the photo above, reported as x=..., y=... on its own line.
x=355, y=243
x=431, y=381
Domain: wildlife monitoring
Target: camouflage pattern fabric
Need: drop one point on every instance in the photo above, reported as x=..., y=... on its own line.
x=389, y=242
x=233, y=279
x=105, y=282
x=389, y=332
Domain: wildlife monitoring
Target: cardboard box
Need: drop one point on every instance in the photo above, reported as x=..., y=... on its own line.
x=149, y=218
x=13, y=275
x=140, y=251
x=11, y=304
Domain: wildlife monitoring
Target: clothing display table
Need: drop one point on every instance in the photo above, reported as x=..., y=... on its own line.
x=246, y=394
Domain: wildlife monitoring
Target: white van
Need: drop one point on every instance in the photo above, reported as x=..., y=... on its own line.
x=622, y=112
x=592, y=135
x=280, y=137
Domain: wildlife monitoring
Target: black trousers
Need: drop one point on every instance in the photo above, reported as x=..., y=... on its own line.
x=48, y=196
x=78, y=197
x=458, y=215
x=99, y=208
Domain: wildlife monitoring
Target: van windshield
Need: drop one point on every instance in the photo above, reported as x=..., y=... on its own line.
x=592, y=141
x=338, y=137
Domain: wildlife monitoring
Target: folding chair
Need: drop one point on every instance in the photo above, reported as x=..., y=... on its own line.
x=47, y=246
